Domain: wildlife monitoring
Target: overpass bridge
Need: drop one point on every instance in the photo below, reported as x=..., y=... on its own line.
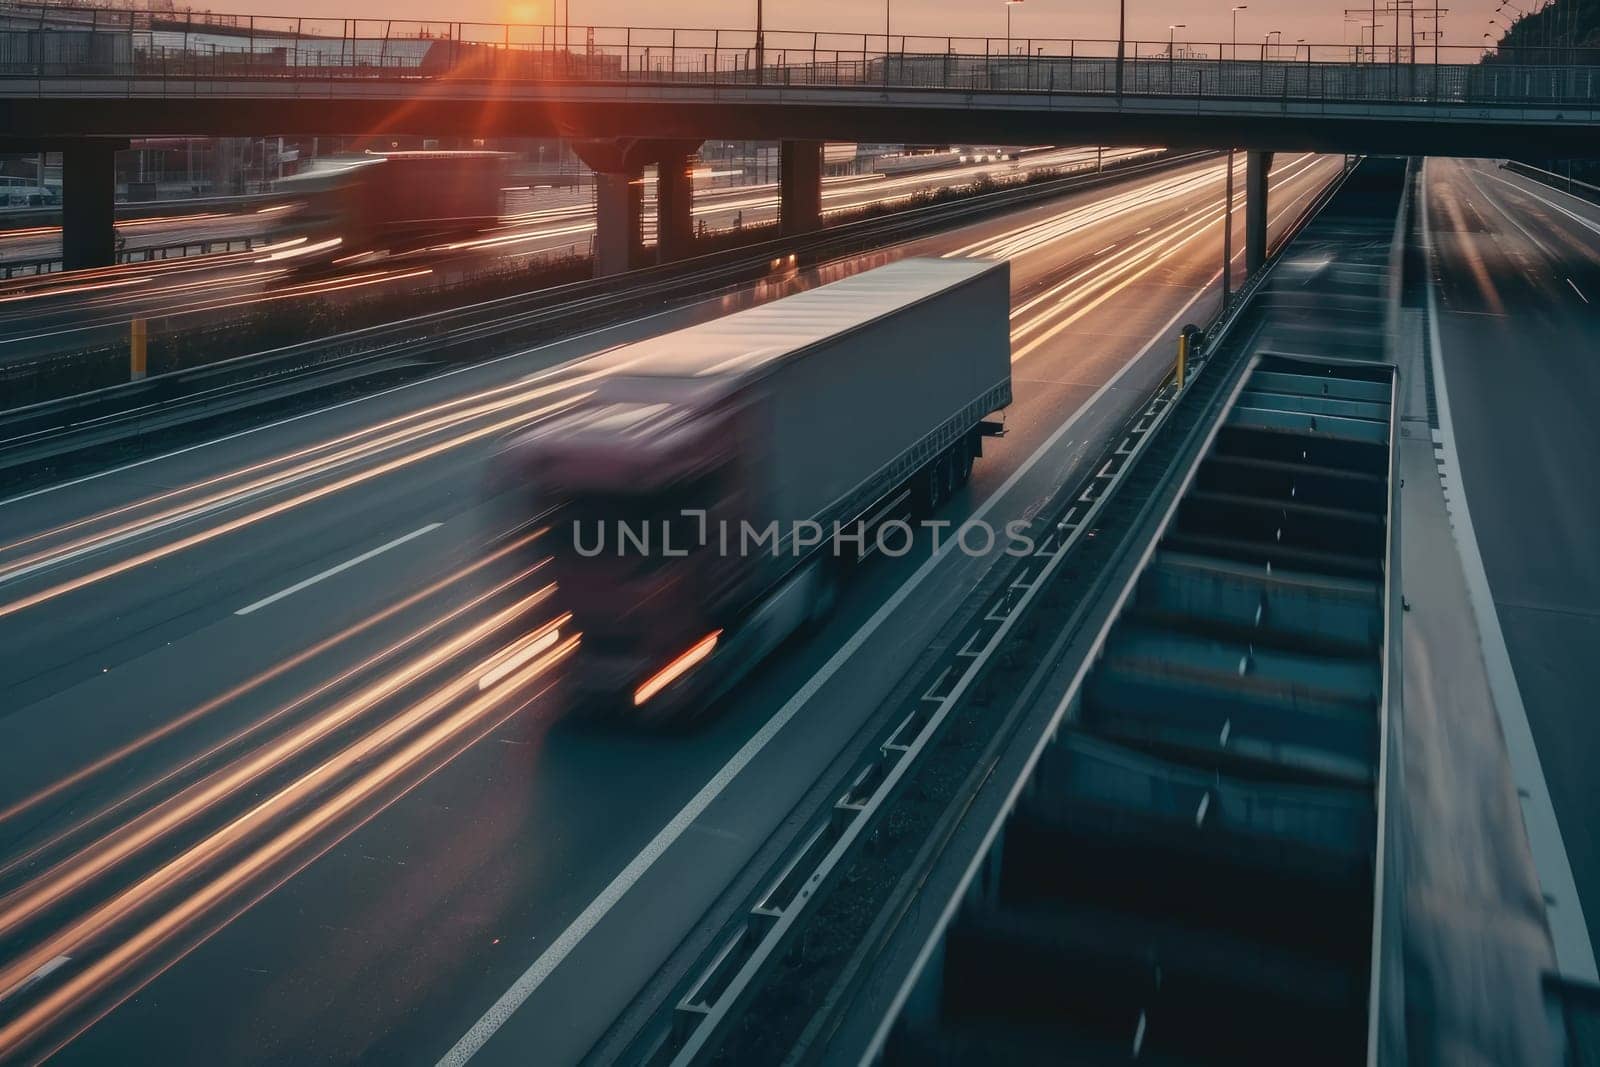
x=83, y=80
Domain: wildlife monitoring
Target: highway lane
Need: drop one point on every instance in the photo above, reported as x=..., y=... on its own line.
x=1518, y=288
x=59, y=312
x=31, y=244
x=538, y=223
x=169, y=760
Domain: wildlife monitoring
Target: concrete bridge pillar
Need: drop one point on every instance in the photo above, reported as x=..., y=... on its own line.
x=800, y=186
x=674, y=205
x=1257, y=165
x=618, y=200
x=88, y=204
x=618, y=167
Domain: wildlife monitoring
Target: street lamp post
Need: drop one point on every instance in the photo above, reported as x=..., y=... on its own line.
x=1172, y=33
x=1009, y=5
x=761, y=44
x=1266, y=42
x=1233, y=42
x=1122, y=33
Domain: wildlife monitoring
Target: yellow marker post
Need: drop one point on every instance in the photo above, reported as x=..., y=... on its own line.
x=1183, y=355
x=137, y=337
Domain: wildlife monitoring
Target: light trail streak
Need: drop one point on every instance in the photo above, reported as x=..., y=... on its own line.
x=317, y=459
x=320, y=819
x=1100, y=270
x=150, y=827
x=285, y=874
x=163, y=551
x=433, y=728
x=1150, y=256
x=279, y=669
x=520, y=652
x=71, y=290
x=677, y=668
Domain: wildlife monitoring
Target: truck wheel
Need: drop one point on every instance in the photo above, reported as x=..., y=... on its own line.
x=932, y=489
x=963, y=462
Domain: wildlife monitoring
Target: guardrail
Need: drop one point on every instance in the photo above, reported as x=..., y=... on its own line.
x=1564, y=182
x=26, y=268
x=41, y=436
x=1299, y=811
x=191, y=49
x=980, y=684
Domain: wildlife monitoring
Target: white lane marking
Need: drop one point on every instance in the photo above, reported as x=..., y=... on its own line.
x=1505, y=214
x=1106, y=249
x=1564, y=911
x=45, y=970
x=1575, y=289
x=338, y=569
x=1574, y=216
x=541, y=968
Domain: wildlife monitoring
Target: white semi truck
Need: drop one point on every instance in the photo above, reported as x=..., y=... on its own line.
x=693, y=499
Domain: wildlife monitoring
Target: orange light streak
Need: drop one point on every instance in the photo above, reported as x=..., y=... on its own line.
x=150, y=827
x=279, y=669
x=243, y=521
x=677, y=668
x=117, y=961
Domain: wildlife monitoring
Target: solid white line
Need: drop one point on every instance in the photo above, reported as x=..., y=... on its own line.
x=1575, y=289
x=541, y=969
x=338, y=569
x=1563, y=910
x=1579, y=219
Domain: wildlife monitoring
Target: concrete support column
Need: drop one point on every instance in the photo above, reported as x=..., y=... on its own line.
x=1256, y=167
x=618, y=167
x=618, y=200
x=674, y=206
x=88, y=205
x=800, y=186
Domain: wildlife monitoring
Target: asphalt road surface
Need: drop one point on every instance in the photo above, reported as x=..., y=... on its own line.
x=67, y=312
x=1518, y=285
x=280, y=780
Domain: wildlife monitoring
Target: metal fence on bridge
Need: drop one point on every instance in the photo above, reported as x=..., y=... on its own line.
x=63, y=42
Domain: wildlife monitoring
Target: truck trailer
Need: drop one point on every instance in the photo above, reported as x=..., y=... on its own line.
x=704, y=502
x=385, y=201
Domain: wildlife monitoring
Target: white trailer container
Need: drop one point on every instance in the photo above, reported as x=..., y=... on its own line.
x=813, y=410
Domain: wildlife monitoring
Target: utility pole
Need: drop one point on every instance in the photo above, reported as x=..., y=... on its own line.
x=1122, y=33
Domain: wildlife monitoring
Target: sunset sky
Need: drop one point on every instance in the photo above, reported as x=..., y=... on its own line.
x=1318, y=21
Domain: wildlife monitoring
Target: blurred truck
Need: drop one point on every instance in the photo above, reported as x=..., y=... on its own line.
x=387, y=201
x=691, y=499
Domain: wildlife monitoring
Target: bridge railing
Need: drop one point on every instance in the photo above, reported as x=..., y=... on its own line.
x=63, y=42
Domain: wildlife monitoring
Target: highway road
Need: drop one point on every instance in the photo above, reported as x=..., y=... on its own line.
x=545, y=219
x=22, y=247
x=1518, y=293
x=51, y=313
x=280, y=776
